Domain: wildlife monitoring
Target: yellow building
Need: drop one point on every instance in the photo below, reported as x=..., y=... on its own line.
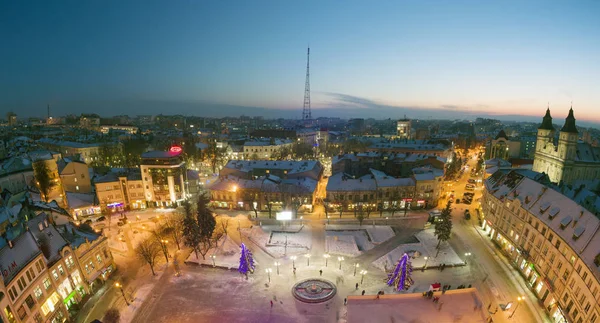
x=553, y=242
x=47, y=269
x=75, y=176
x=56, y=190
x=120, y=192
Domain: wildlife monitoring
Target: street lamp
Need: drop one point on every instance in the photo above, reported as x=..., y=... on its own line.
x=213, y=259
x=328, y=219
x=307, y=259
x=519, y=299
x=326, y=256
x=302, y=220
x=356, y=265
x=363, y=273
x=467, y=254
x=277, y=265
x=293, y=261
x=268, y=271
x=426, y=259
x=340, y=259
x=119, y=286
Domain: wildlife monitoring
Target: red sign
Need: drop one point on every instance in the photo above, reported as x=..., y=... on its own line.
x=176, y=149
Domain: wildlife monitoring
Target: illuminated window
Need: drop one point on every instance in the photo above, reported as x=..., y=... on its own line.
x=47, y=284
x=37, y=292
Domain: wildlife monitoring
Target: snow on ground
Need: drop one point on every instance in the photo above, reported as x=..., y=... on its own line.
x=344, y=245
x=425, y=248
x=273, y=240
x=227, y=254
x=352, y=240
x=139, y=297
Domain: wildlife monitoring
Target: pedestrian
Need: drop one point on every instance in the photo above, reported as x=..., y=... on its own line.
x=469, y=286
x=294, y=271
x=321, y=272
x=271, y=304
x=448, y=286
x=356, y=286
x=378, y=293
x=345, y=301
x=363, y=292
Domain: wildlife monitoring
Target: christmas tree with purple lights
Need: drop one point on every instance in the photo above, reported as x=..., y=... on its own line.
x=246, y=261
x=401, y=277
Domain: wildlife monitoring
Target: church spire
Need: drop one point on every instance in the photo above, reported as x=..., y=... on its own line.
x=547, y=121
x=569, y=122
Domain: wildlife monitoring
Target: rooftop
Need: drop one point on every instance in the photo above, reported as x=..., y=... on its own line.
x=157, y=154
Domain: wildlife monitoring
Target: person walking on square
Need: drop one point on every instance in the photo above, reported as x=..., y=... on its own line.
x=271, y=304
x=363, y=292
x=356, y=286
x=321, y=272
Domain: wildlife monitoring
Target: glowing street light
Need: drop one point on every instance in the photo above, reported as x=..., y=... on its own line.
x=340, y=259
x=293, y=261
x=213, y=259
x=307, y=259
x=363, y=273
x=268, y=271
x=519, y=299
x=426, y=259
x=119, y=286
x=277, y=265
x=326, y=256
x=356, y=265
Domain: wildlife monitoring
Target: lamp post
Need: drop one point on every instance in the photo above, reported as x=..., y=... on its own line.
x=213, y=259
x=326, y=256
x=164, y=243
x=119, y=286
x=519, y=299
x=467, y=254
x=356, y=265
x=268, y=271
x=328, y=219
x=426, y=259
x=301, y=220
x=307, y=259
x=363, y=273
x=386, y=220
x=277, y=265
x=340, y=259
x=293, y=261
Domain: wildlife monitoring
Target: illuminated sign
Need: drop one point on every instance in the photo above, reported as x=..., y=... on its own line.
x=283, y=216
x=176, y=149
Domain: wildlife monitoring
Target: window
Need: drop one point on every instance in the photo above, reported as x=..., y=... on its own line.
x=38, y=318
x=77, y=187
x=565, y=275
x=47, y=284
x=37, y=292
x=21, y=285
x=54, y=274
x=587, y=307
x=29, y=301
x=69, y=262
x=12, y=296
x=99, y=258
x=61, y=270
x=75, y=179
x=585, y=274
x=28, y=276
x=21, y=312
x=593, y=319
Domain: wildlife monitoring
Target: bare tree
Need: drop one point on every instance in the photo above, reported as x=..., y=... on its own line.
x=224, y=224
x=174, y=227
x=147, y=251
x=156, y=234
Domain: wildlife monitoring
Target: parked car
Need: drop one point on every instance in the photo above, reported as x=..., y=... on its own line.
x=102, y=218
x=467, y=215
x=470, y=180
x=457, y=201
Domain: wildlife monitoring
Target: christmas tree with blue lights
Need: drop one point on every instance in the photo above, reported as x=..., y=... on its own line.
x=246, y=261
x=401, y=277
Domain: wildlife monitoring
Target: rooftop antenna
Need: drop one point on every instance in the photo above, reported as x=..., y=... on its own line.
x=306, y=115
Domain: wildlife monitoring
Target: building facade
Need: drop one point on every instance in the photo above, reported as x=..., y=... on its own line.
x=504, y=148
x=75, y=176
x=120, y=192
x=403, y=128
x=553, y=242
x=163, y=177
x=564, y=158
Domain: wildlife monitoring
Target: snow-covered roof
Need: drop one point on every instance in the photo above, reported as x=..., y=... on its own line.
x=42, y=229
x=342, y=182
x=292, y=167
x=79, y=200
x=23, y=251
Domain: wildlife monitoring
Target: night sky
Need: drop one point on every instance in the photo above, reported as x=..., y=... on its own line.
x=381, y=59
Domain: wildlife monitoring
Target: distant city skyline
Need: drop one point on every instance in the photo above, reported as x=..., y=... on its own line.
x=459, y=59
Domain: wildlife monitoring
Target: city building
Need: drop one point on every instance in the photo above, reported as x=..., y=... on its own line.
x=313, y=137
x=502, y=147
x=403, y=128
x=119, y=192
x=426, y=147
x=267, y=185
x=551, y=240
x=82, y=151
x=564, y=159
x=55, y=189
x=89, y=121
x=11, y=117
x=42, y=266
x=82, y=205
x=163, y=177
x=120, y=128
x=356, y=126
x=528, y=146
x=265, y=149
x=370, y=192
x=75, y=176
x=16, y=174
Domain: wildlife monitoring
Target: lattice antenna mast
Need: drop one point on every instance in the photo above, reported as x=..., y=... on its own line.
x=306, y=115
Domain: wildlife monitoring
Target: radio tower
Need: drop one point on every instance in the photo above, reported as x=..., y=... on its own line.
x=306, y=116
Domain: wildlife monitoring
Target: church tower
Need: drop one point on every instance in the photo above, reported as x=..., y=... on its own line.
x=567, y=147
x=544, y=144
